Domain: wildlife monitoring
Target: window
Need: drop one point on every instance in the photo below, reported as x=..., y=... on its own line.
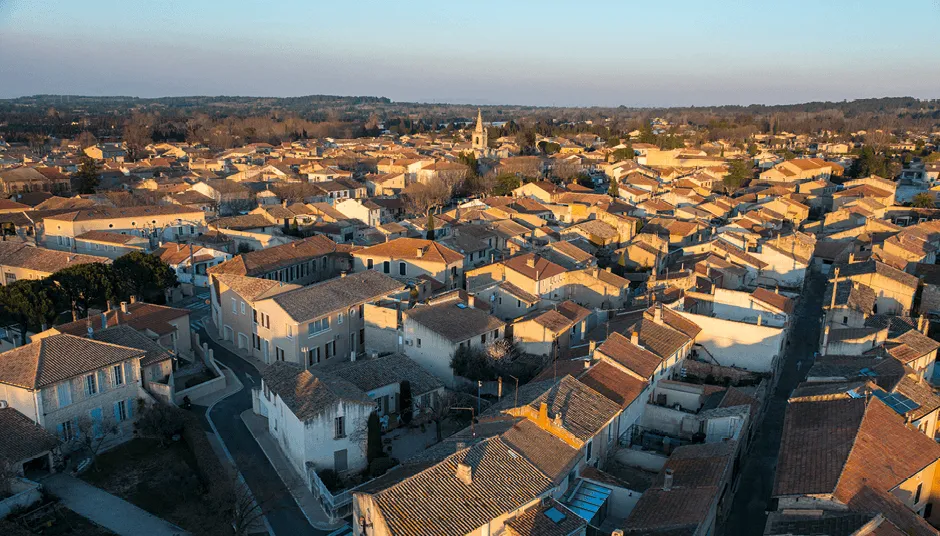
x=318, y=326
x=117, y=375
x=120, y=411
x=254, y=316
x=67, y=431
x=483, y=339
x=313, y=356
x=91, y=386
x=339, y=318
x=917, y=493
x=279, y=353
x=362, y=310
x=401, y=268
x=590, y=448
x=369, y=264
x=610, y=432
x=234, y=306
x=845, y=320
x=386, y=266
x=418, y=343
x=243, y=307
x=290, y=331
x=339, y=428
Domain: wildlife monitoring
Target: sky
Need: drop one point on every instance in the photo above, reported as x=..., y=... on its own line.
x=545, y=53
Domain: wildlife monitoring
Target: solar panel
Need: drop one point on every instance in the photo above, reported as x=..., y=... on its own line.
x=868, y=372
x=896, y=401
x=555, y=515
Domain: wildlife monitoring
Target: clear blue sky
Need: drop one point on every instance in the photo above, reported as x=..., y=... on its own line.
x=482, y=52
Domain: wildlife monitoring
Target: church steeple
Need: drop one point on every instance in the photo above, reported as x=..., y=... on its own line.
x=480, y=141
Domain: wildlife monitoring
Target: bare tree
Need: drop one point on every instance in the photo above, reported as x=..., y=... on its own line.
x=137, y=135
x=160, y=421
x=421, y=197
x=7, y=475
x=440, y=410
x=94, y=434
x=86, y=139
x=243, y=507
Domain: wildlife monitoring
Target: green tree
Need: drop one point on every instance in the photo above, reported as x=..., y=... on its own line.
x=30, y=304
x=739, y=171
x=923, y=200
x=85, y=285
x=548, y=147
x=624, y=154
x=143, y=275
x=470, y=160
x=752, y=150
x=505, y=184
x=373, y=438
x=870, y=163
x=613, y=141
x=614, y=189
x=88, y=175
x=406, y=402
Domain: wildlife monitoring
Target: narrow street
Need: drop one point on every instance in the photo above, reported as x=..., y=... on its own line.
x=284, y=516
x=751, y=500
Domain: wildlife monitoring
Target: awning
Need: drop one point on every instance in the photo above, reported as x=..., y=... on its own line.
x=588, y=499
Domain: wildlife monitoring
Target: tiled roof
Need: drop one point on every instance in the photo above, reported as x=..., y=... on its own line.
x=265, y=260
x=541, y=268
x=129, y=337
x=369, y=374
x=777, y=301
x=452, y=322
x=853, y=295
x=675, y=321
x=552, y=456
x=435, y=502
x=140, y=316
x=583, y=411
x=107, y=213
x=659, y=339
x=249, y=288
x=308, y=395
x=518, y=293
x=875, y=267
x=57, y=358
x=613, y=383
x=109, y=237
x=19, y=255
x=618, y=348
x=23, y=439
x=339, y=293
x=407, y=248
x=534, y=522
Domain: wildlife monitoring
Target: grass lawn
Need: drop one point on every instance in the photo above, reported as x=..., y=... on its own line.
x=72, y=524
x=161, y=480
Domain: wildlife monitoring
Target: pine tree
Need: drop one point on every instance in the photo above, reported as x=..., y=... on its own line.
x=430, y=226
x=614, y=190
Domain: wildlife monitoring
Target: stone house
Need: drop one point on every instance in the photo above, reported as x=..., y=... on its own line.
x=313, y=324
x=20, y=261
x=63, y=381
x=406, y=259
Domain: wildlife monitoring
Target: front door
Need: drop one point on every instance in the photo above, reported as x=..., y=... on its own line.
x=339, y=461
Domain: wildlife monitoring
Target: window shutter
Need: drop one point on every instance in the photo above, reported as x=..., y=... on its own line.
x=117, y=412
x=64, y=392
x=61, y=431
x=96, y=418
x=130, y=408
x=128, y=372
x=102, y=381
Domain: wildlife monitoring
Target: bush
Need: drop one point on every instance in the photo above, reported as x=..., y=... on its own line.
x=373, y=437
x=380, y=466
x=330, y=479
x=209, y=467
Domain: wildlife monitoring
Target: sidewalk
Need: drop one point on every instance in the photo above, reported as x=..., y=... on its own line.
x=109, y=511
x=308, y=504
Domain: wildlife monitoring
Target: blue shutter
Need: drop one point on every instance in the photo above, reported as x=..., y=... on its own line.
x=117, y=412
x=102, y=381
x=96, y=418
x=61, y=431
x=130, y=408
x=64, y=394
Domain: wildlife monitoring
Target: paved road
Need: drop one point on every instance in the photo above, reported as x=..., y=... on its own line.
x=107, y=510
x=748, y=511
x=283, y=515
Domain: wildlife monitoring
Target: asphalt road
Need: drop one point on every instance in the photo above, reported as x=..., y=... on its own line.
x=283, y=514
x=749, y=510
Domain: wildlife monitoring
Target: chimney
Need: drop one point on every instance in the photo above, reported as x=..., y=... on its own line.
x=460, y=446
x=920, y=323
x=343, y=273
x=530, y=262
x=825, y=342
x=419, y=253
x=760, y=319
x=667, y=480
x=658, y=314
x=926, y=325
x=851, y=258
x=133, y=299
x=104, y=319
x=608, y=269
x=124, y=307
x=635, y=338
x=592, y=346
x=464, y=473
x=543, y=414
